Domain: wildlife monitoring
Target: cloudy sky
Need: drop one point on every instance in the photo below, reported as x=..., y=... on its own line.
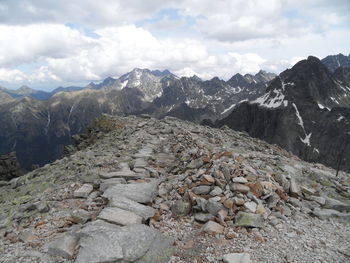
x=45, y=44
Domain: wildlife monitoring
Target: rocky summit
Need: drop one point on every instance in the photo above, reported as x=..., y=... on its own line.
x=137, y=189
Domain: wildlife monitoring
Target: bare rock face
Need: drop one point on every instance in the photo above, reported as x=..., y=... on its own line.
x=9, y=167
x=304, y=110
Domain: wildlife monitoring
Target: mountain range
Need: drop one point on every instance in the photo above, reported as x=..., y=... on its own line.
x=38, y=127
x=301, y=110
x=306, y=110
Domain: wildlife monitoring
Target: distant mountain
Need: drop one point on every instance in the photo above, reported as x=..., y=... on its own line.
x=335, y=61
x=38, y=129
x=306, y=110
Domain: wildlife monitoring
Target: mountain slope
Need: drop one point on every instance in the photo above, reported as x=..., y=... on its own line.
x=137, y=184
x=38, y=130
x=305, y=110
x=335, y=61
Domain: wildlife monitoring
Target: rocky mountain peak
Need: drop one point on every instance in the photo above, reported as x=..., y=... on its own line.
x=335, y=61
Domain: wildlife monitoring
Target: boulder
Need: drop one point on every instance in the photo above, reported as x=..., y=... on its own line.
x=64, y=246
x=104, y=242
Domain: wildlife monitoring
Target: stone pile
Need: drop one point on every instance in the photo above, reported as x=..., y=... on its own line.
x=9, y=167
x=240, y=190
x=143, y=190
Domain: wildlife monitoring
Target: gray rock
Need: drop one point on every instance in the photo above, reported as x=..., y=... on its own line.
x=249, y=220
x=64, y=247
x=181, y=208
x=272, y=200
x=336, y=205
x=213, y=228
x=126, y=174
x=307, y=190
x=92, y=179
x=241, y=188
x=27, y=207
x=201, y=190
x=80, y=216
x=140, y=163
x=202, y=203
x=119, y=216
x=139, y=192
x=26, y=235
x=144, y=153
x=240, y=180
x=203, y=218
x=195, y=164
x=294, y=189
x=327, y=213
x=214, y=207
x=319, y=199
x=227, y=173
x=111, y=182
x=122, y=202
x=216, y=191
x=83, y=191
x=42, y=207
x=3, y=221
x=251, y=206
x=283, y=181
x=236, y=258
x=104, y=242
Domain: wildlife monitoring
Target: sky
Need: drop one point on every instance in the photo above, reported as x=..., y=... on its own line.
x=45, y=44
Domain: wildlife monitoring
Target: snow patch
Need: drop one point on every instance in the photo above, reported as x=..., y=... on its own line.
x=306, y=140
x=323, y=107
x=229, y=108
x=172, y=106
x=271, y=102
x=124, y=84
x=333, y=99
x=340, y=118
x=301, y=123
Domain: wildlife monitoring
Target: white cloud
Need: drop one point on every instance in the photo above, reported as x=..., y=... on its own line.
x=90, y=13
x=117, y=51
x=203, y=37
x=12, y=75
x=23, y=44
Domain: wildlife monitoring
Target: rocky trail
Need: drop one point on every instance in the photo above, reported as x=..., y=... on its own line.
x=145, y=190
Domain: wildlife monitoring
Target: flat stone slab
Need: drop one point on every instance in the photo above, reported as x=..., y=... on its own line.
x=145, y=153
x=104, y=242
x=110, y=182
x=327, y=213
x=249, y=220
x=164, y=159
x=138, y=192
x=236, y=258
x=122, y=202
x=119, y=216
x=83, y=191
x=140, y=163
x=126, y=174
x=64, y=246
